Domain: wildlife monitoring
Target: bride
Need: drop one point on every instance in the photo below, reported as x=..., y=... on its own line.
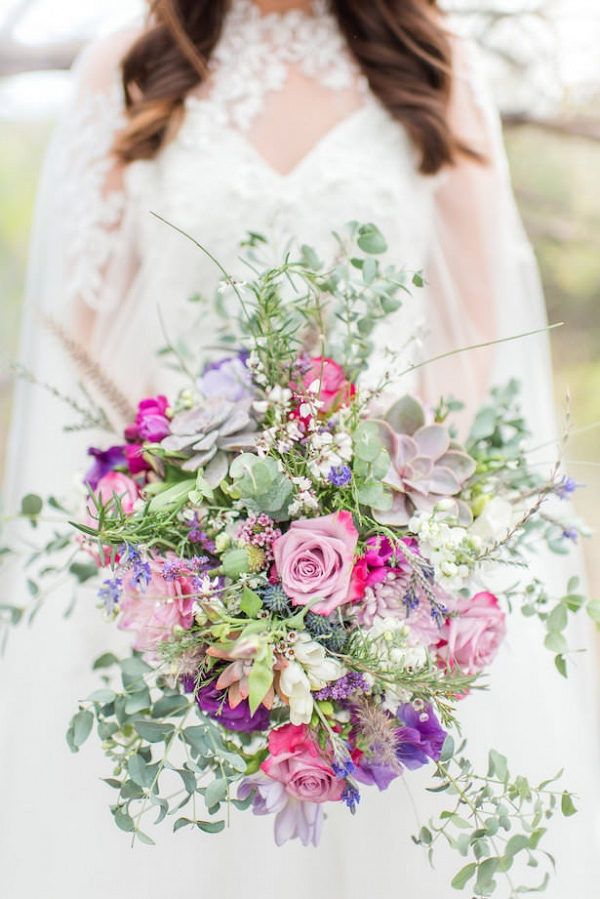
x=289, y=118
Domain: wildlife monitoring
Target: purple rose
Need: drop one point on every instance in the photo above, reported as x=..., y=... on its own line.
x=228, y=378
x=420, y=738
x=315, y=559
x=105, y=461
x=214, y=702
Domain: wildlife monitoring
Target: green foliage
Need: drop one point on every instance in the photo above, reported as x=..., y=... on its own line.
x=493, y=821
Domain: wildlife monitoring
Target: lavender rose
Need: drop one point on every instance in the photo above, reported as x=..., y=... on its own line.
x=315, y=559
x=470, y=639
x=297, y=763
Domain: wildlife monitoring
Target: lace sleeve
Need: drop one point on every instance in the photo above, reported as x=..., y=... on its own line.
x=483, y=279
x=79, y=239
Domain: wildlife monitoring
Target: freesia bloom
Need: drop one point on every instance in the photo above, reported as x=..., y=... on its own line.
x=315, y=559
x=312, y=669
x=470, y=638
x=158, y=610
x=294, y=819
x=334, y=388
x=298, y=764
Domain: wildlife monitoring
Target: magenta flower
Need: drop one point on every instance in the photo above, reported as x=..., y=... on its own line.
x=151, y=422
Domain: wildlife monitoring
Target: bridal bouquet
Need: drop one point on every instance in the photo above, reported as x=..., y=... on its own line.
x=304, y=565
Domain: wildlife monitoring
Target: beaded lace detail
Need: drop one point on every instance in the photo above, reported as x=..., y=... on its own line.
x=256, y=51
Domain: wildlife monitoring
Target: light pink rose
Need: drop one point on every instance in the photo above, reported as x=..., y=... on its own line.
x=335, y=389
x=470, y=639
x=158, y=610
x=315, y=559
x=296, y=762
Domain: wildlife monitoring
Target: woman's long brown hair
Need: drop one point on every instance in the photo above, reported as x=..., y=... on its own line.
x=400, y=45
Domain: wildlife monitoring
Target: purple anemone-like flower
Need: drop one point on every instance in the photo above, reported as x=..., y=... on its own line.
x=105, y=461
x=214, y=703
x=420, y=738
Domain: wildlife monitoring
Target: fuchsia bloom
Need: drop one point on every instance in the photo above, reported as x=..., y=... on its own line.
x=298, y=764
x=158, y=610
x=151, y=422
x=471, y=638
x=315, y=559
x=335, y=389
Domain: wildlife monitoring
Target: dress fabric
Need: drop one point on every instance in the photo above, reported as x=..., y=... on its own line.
x=237, y=164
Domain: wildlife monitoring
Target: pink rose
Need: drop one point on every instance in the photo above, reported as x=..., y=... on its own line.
x=116, y=487
x=158, y=610
x=470, y=639
x=315, y=559
x=335, y=390
x=296, y=762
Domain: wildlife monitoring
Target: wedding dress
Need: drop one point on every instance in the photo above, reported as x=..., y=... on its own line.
x=285, y=139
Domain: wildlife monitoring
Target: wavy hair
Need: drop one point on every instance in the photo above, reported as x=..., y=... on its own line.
x=400, y=46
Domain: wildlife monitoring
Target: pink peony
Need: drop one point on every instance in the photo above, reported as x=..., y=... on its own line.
x=470, y=639
x=315, y=559
x=335, y=390
x=155, y=612
x=297, y=763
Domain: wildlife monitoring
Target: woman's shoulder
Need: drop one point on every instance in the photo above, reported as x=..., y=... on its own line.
x=98, y=65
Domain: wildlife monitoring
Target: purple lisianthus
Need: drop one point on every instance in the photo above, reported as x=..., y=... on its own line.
x=228, y=378
x=214, y=703
x=105, y=461
x=151, y=422
x=420, y=738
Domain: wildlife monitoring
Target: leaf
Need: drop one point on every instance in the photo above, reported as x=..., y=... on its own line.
x=216, y=792
x=144, y=838
x=561, y=665
x=556, y=643
x=31, y=505
x=154, y=731
x=210, y=826
x=447, y=750
x=251, y=603
x=102, y=697
x=197, y=738
x=170, y=705
x=367, y=443
x=79, y=729
x=83, y=572
x=369, y=270
x=485, y=876
x=574, y=601
x=557, y=619
x=567, y=806
x=460, y=880
x=516, y=844
x=138, y=771
x=182, y=822
x=418, y=280
x=371, y=240
x=124, y=821
x=175, y=495
x=593, y=610
x=105, y=661
x=497, y=765
x=260, y=678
